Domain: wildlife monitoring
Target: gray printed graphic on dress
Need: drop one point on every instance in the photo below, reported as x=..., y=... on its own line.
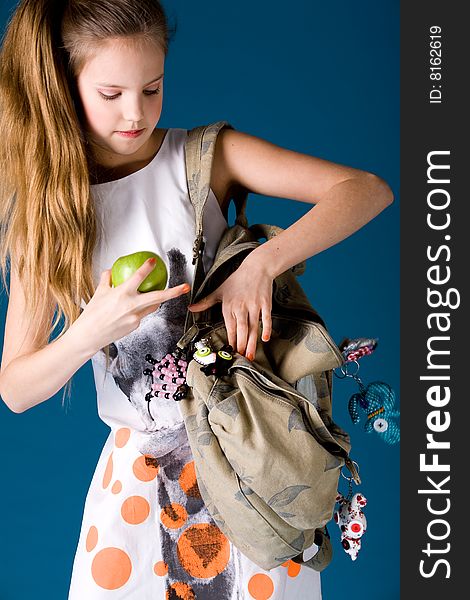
x=157, y=334
x=206, y=543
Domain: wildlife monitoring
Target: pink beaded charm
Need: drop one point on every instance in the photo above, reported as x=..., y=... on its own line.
x=168, y=377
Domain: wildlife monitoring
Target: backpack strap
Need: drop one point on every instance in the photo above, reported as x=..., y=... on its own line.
x=199, y=154
x=322, y=558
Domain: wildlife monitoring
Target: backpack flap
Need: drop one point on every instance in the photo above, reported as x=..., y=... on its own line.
x=300, y=344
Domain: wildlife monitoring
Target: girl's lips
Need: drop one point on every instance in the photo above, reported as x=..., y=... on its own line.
x=131, y=134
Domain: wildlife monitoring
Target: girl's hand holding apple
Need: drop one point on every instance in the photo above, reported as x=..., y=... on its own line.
x=114, y=312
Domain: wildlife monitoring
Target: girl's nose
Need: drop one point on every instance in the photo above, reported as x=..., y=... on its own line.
x=133, y=110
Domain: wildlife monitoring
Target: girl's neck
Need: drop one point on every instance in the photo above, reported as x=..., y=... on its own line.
x=102, y=173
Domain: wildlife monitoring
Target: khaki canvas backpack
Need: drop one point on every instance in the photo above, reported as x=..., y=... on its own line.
x=267, y=452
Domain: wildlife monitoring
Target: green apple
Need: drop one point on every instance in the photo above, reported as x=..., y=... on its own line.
x=125, y=266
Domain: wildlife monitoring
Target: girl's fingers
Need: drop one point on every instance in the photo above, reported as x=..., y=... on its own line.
x=252, y=336
x=267, y=323
x=140, y=274
x=231, y=326
x=106, y=278
x=149, y=310
x=242, y=332
x=150, y=298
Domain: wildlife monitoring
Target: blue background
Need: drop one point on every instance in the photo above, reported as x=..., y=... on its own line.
x=319, y=78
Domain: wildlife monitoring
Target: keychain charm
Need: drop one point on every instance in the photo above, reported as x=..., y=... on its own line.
x=353, y=350
x=350, y=519
x=168, y=377
x=214, y=363
x=376, y=400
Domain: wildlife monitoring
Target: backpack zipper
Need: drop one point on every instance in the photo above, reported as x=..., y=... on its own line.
x=270, y=385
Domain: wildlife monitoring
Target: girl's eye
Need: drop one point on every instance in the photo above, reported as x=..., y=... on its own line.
x=108, y=97
x=152, y=92
x=146, y=92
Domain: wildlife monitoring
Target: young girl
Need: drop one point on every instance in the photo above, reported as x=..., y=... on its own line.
x=88, y=177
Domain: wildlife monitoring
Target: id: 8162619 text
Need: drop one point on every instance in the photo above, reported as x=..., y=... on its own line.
x=435, y=64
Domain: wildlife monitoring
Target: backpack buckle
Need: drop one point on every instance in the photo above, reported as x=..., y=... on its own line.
x=351, y=465
x=198, y=247
x=188, y=336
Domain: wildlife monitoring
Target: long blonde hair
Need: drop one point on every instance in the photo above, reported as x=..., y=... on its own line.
x=48, y=222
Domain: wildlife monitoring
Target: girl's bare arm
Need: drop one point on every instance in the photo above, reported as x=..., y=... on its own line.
x=345, y=199
x=33, y=371
x=35, y=377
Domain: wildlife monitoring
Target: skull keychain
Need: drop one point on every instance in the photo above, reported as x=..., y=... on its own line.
x=350, y=518
x=376, y=400
x=213, y=362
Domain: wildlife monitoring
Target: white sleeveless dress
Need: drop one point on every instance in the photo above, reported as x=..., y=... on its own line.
x=146, y=534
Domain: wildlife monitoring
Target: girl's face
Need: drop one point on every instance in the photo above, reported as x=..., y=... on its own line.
x=121, y=89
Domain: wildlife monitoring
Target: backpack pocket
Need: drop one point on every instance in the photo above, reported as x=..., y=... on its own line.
x=264, y=538
x=266, y=431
